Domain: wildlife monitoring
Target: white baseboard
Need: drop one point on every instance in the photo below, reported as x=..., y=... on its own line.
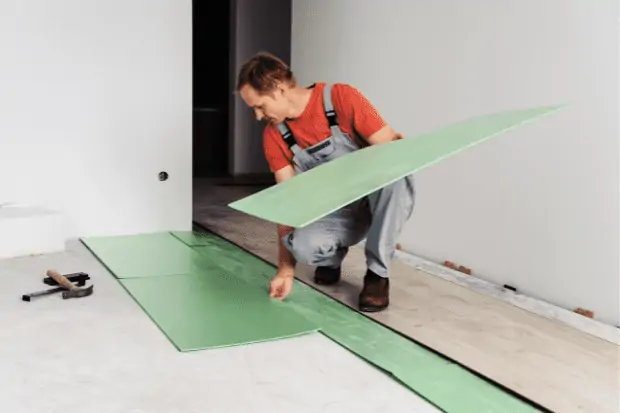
x=31, y=230
x=542, y=308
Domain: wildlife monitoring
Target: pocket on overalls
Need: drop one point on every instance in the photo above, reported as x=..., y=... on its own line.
x=322, y=150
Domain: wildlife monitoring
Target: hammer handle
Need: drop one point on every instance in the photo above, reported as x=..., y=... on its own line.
x=60, y=279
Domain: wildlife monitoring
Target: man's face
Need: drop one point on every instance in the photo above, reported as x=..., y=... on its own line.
x=271, y=107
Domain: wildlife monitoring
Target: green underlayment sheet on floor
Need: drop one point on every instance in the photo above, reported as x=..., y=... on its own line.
x=194, y=300
x=224, y=300
x=311, y=195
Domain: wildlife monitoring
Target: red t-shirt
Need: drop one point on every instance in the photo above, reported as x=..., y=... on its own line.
x=355, y=116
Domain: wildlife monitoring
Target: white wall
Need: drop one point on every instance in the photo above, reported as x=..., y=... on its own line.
x=95, y=101
x=536, y=208
x=257, y=26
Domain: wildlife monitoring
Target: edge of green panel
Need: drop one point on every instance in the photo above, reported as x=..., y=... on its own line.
x=245, y=204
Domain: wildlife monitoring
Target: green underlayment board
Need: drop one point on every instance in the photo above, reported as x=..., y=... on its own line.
x=313, y=194
x=191, y=297
x=210, y=310
x=146, y=255
x=226, y=300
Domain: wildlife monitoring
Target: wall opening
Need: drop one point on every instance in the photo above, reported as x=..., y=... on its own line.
x=211, y=68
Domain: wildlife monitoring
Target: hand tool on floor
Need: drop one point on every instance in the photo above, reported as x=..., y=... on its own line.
x=28, y=297
x=71, y=290
x=78, y=278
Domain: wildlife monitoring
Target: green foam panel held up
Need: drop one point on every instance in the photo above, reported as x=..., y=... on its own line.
x=311, y=195
x=225, y=302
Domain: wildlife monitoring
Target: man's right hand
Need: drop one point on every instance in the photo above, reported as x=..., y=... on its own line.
x=281, y=284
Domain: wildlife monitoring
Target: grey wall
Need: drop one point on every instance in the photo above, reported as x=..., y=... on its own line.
x=95, y=101
x=263, y=25
x=536, y=208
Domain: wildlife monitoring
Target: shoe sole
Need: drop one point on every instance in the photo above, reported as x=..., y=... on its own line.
x=367, y=309
x=322, y=282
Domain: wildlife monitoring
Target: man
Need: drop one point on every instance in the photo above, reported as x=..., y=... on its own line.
x=306, y=128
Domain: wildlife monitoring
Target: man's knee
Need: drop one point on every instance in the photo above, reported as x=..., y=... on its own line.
x=310, y=247
x=399, y=195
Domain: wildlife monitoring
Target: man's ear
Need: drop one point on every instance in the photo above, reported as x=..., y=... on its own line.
x=283, y=88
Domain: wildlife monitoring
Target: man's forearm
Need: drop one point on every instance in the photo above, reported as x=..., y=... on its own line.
x=286, y=261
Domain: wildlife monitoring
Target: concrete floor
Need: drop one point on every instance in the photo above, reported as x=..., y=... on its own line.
x=102, y=354
x=526, y=347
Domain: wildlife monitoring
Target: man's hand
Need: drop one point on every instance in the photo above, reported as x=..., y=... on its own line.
x=281, y=284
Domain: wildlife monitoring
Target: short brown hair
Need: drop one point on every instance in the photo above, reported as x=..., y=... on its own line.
x=263, y=71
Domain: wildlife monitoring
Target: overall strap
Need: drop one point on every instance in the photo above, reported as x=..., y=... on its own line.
x=288, y=137
x=329, y=109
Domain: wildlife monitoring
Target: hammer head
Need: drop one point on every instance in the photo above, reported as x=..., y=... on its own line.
x=77, y=292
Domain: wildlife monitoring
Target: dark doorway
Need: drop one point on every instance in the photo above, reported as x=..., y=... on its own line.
x=211, y=71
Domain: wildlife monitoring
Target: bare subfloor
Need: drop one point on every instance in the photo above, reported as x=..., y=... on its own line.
x=556, y=366
x=102, y=354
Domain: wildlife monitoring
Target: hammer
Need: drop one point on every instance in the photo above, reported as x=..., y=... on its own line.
x=71, y=290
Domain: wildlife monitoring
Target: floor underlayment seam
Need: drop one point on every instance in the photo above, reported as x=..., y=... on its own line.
x=446, y=359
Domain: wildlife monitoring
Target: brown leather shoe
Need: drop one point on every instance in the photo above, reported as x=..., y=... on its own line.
x=375, y=295
x=326, y=275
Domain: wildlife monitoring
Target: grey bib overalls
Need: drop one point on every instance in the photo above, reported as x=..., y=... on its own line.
x=379, y=217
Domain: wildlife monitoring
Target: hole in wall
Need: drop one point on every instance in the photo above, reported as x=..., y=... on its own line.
x=163, y=176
